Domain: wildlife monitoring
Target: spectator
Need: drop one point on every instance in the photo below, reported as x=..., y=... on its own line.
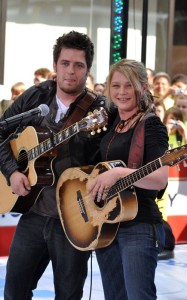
x=160, y=109
x=177, y=132
x=180, y=81
x=181, y=103
x=177, y=88
x=161, y=85
x=150, y=76
x=17, y=89
x=99, y=88
x=41, y=74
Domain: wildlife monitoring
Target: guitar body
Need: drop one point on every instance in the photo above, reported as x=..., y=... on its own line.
x=87, y=224
x=38, y=171
x=35, y=152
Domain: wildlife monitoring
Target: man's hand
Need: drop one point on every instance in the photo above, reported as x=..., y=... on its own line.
x=20, y=184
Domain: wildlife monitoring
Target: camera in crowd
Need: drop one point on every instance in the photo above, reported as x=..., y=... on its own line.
x=180, y=92
x=174, y=123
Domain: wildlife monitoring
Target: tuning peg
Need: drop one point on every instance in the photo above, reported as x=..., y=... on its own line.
x=179, y=143
x=184, y=164
x=92, y=132
x=170, y=146
x=98, y=130
x=104, y=128
x=178, y=168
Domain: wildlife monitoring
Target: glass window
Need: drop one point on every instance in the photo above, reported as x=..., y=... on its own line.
x=32, y=28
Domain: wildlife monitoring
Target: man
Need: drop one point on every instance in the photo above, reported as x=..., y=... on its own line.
x=161, y=89
x=39, y=236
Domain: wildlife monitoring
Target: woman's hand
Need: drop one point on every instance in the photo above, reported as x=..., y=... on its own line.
x=100, y=185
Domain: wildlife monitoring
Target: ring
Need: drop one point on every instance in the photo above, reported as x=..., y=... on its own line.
x=106, y=190
x=99, y=195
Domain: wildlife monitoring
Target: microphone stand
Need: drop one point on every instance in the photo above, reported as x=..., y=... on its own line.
x=13, y=135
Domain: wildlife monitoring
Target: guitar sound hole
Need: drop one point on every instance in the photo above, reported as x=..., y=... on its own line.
x=100, y=204
x=23, y=160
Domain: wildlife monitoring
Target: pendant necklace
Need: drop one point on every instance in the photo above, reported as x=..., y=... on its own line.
x=121, y=124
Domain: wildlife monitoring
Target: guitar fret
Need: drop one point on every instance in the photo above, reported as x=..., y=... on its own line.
x=130, y=179
x=33, y=153
x=49, y=144
x=37, y=152
x=42, y=148
x=58, y=137
x=55, y=140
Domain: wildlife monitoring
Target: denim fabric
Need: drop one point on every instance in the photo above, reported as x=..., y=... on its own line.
x=39, y=239
x=128, y=265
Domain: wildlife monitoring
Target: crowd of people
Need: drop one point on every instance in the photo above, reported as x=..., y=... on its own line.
x=170, y=99
x=133, y=97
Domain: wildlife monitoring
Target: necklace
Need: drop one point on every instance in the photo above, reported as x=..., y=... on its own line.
x=123, y=123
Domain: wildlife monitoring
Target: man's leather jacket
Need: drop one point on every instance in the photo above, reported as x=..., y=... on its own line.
x=80, y=150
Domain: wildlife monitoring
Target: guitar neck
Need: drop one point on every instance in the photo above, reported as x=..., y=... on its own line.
x=54, y=140
x=170, y=158
x=130, y=179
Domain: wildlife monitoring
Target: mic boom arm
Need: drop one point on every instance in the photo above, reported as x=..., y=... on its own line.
x=41, y=110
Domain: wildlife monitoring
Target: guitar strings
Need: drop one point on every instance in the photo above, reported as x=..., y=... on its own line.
x=26, y=154
x=132, y=178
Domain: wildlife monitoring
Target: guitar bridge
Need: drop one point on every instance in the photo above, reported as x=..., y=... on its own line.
x=81, y=206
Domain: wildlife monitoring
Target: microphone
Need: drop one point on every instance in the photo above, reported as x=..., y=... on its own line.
x=41, y=110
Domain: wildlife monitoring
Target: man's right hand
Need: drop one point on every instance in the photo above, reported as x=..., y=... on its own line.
x=20, y=184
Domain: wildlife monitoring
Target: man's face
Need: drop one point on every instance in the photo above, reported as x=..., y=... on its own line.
x=161, y=85
x=71, y=70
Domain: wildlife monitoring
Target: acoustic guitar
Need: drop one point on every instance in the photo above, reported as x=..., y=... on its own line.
x=88, y=224
x=35, y=152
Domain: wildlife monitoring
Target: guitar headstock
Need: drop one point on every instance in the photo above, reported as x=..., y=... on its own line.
x=95, y=121
x=174, y=156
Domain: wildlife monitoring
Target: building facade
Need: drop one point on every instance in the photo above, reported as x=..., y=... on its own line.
x=29, y=29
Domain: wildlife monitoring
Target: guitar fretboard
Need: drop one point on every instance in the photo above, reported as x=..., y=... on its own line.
x=53, y=141
x=130, y=179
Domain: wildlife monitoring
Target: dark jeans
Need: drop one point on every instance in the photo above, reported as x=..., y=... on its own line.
x=38, y=240
x=128, y=265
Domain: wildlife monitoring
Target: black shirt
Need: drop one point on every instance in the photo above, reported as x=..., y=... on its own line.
x=116, y=146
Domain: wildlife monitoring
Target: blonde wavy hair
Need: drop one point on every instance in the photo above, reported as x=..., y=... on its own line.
x=136, y=73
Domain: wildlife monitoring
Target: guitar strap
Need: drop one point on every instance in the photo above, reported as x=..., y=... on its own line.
x=81, y=109
x=137, y=145
x=137, y=149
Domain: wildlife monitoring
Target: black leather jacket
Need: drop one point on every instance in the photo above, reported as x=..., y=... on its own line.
x=80, y=150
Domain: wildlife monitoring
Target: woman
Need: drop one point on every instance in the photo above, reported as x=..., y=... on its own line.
x=160, y=109
x=128, y=264
x=181, y=103
x=177, y=132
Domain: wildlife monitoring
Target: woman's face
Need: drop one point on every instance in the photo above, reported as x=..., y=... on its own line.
x=171, y=123
x=122, y=93
x=181, y=103
x=160, y=112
